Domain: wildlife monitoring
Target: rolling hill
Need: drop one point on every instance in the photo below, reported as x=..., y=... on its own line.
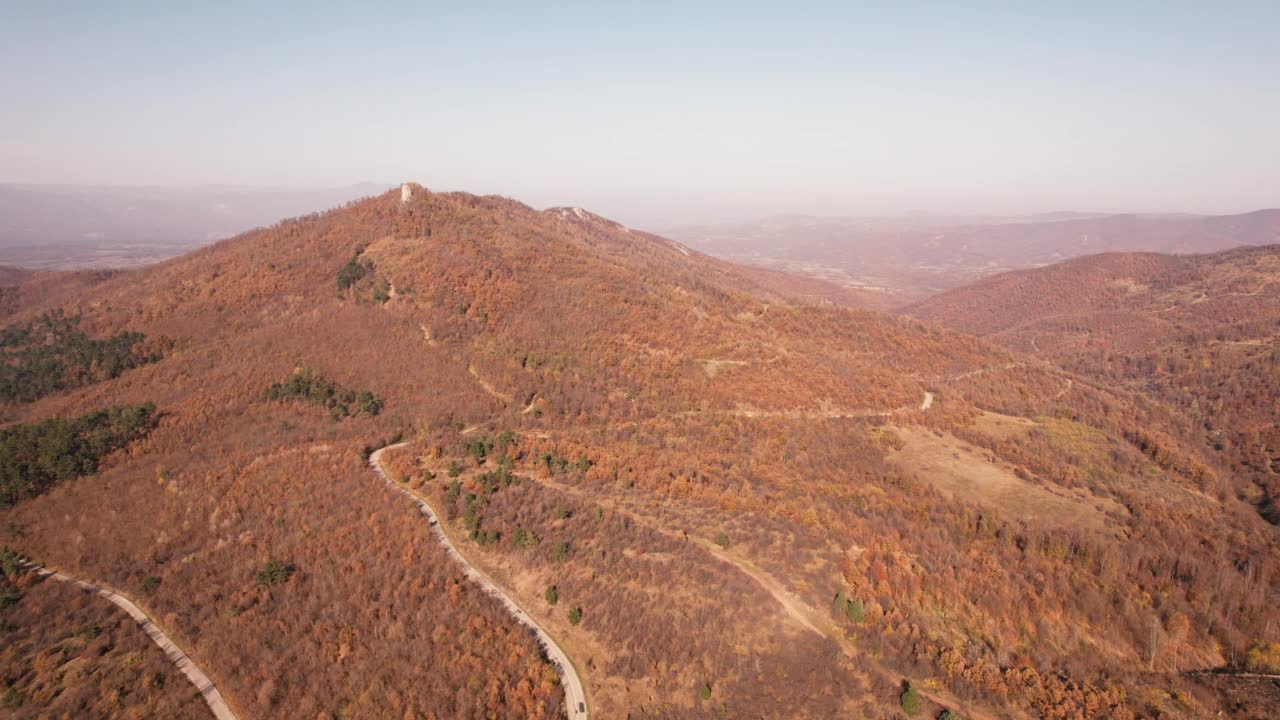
x=717, y=490
x=1197, y=331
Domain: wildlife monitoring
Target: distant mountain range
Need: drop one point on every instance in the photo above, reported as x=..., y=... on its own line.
x=911, y=257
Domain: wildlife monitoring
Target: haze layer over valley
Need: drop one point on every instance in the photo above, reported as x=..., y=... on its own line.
x=61, y=227
x=908, y=258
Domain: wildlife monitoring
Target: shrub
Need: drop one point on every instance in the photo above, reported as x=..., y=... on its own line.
x=722, y=540
x=455, y=469
x=855, y=611
x=554, y=463
x=495, y=480
x=355, y=269
x=10, y=562
x=453, y=493
x=524, y=538
x=150, y=583
x=504, y=441
x=911, y=701
x=552, y=595
x=575, y=616
x=561, y=551
x=1264, y=657
x=274, y=572
x=309, y=386
x=471, y=518
x=368, y=403
x=12, y=699
x=704, y=692
x=479, y=448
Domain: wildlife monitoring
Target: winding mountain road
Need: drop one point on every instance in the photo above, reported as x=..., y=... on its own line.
x=575, y=696
x=180, y=659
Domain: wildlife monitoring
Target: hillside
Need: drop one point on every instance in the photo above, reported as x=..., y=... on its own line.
x=911, y=257
x=741, y=500
x=1197, y=331
x=70, y=654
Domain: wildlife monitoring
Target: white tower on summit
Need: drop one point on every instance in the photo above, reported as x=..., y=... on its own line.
x=406, y=193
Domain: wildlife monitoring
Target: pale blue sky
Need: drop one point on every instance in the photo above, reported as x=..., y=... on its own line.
x=661, y=112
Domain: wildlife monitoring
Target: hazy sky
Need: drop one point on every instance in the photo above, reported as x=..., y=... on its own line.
x=661, y=112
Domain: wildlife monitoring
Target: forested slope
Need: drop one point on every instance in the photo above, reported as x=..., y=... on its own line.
x=1199, y=332
x=699, y=460
x=68, y=654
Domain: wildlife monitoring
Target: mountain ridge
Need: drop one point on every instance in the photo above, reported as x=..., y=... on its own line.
x=584, y=401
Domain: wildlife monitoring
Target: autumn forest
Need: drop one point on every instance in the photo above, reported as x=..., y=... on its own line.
x=719, y=491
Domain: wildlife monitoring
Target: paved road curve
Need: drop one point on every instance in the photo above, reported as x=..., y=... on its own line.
x=211, y=696
x=574, y=695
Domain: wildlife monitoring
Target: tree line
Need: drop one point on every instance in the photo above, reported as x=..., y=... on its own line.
x=51, y=353
x=34, y=457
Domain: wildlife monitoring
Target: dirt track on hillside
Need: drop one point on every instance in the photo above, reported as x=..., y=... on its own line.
x=575, y=696
x=180, y=659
